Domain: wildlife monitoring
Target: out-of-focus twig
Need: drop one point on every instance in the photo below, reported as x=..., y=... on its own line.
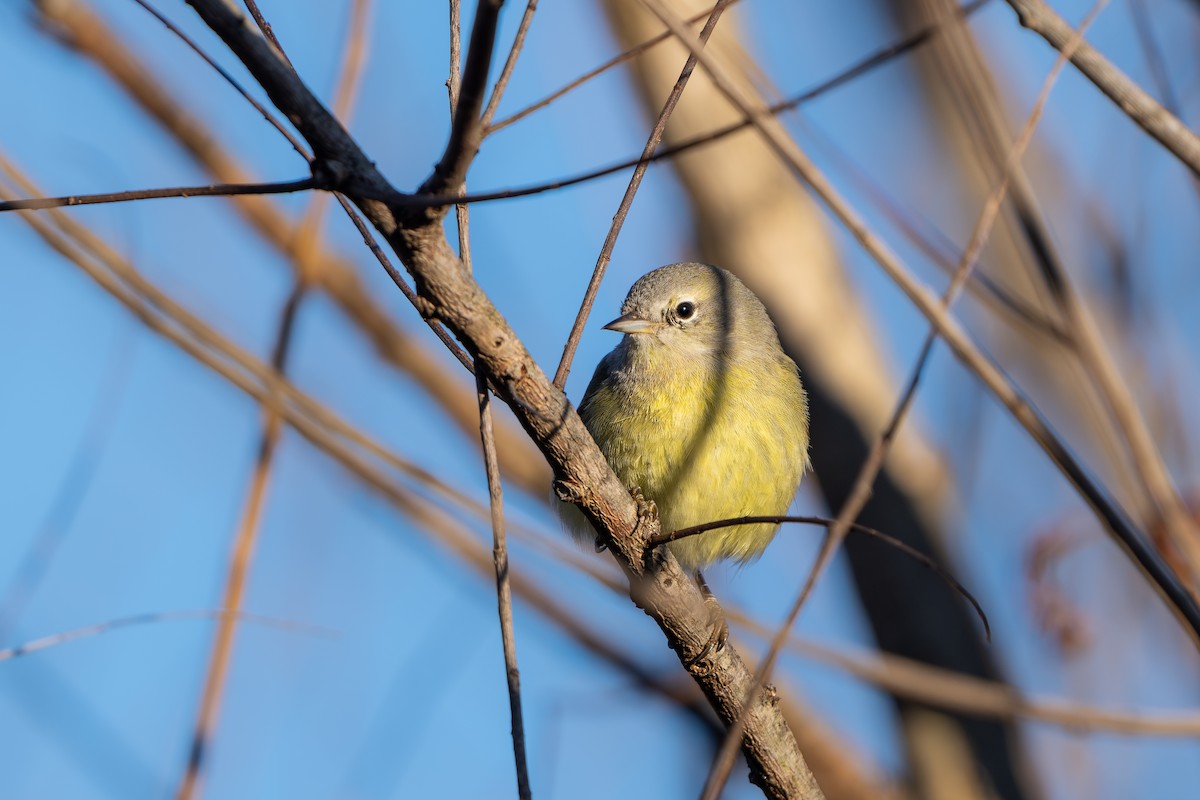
x=1132, y=540
x=635, y=182
x=296, y=144
x=510, y=64
x=632, y=52
x=451, y=294
x=78, y=28
x=487, y=434
x=466, y=130
x=244, y=543
x=1139, y=106
x=99, y=628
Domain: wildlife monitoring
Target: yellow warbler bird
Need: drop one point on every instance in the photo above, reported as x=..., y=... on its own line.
x=700, y=409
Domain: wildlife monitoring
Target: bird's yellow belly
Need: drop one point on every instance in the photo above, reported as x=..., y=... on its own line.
x=705, y=456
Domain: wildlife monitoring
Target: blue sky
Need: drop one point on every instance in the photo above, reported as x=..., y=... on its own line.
x=138, y=458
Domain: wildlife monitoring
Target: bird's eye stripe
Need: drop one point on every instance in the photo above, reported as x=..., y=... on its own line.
x=685, y=310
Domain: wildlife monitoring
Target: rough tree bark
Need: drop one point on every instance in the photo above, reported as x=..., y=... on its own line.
x=448, y=293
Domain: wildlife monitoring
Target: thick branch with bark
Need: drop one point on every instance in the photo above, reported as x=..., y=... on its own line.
x=450, y=294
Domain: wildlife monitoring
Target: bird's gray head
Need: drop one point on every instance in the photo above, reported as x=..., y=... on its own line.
x=695, y=309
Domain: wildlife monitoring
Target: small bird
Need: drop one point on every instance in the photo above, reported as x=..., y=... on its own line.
x=699, y=408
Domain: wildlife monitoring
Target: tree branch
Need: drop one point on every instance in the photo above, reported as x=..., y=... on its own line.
x=452, y=296
x=212, y=190
x=1139, y=106
x=1131, y=539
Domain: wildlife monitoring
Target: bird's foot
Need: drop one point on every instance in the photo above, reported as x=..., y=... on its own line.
x=647, y=516
x=719, y=632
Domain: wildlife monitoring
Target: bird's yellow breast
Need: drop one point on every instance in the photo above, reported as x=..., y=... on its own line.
x=706, y=443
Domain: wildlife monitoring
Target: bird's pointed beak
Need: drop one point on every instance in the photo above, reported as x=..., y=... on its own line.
x=630, y=323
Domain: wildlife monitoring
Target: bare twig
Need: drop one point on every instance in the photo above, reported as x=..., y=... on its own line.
x=878, y=58
x=487, y=435
x=510, y=64
x=635, y=182
x=84, y=31
x=934, y=243
x=267, y=115
x=1139, y=106
x=456, y=299
x=503, y=588
x=212, y=190
x=1131, y=539
x=53, y=640
x=631, y=53
x=235, y=582
x=695, y=530
x=466, y=130
x=266, y=29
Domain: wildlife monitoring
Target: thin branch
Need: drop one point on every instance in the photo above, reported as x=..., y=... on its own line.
x=877, y=59
x=259, y=107
x=267, y=30
x=454, y=82
x=237, y=575
x=635, y=182
x=935, y=244
x=450, y=293
x=629, y=54
x=211, y=190
x=398, y=279
x=1139, y=106
x=1132, y=540
x=169, y=319
x=29, y=569
x=53, y=640
x=503, y=588
x=915, y=680
x=487, y=437
x=88, y=34
x=466, y=130
x=667, y=537
x=510, y=64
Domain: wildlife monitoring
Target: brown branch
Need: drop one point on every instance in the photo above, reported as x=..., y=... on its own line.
x=83, y=31
x=510, y=64
x=99, y=628
x=259, y=107
x=880, y=57
x=267, y=30
x=1131, y=539
x=307, y=248
x=487, y=433
x=1139, y=106
x=631, y=53
x=451, y=295
x=1151, y=471
x=466, y=129
x=503, y=585
x=212, y=190
x=666, y=537
x=635, y=182
x=235, y=582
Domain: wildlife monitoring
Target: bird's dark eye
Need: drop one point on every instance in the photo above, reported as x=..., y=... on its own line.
x=685, y=310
